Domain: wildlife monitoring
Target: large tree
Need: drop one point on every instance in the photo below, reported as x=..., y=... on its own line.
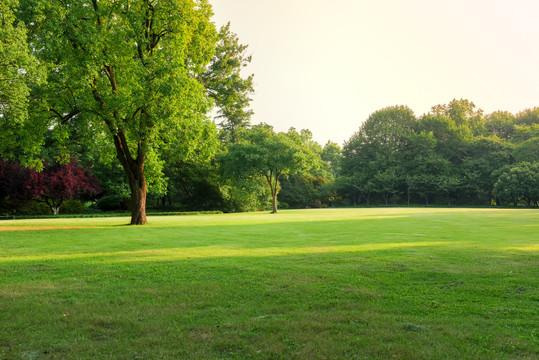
x=370, y=155
x=128, y=70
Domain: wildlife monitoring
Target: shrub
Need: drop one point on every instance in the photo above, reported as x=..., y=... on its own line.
x=111, y=202
x=73, y=207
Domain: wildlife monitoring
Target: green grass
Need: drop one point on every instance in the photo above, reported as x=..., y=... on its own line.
x=314, y=284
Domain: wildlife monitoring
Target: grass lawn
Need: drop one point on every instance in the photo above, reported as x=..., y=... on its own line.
x=387, y=283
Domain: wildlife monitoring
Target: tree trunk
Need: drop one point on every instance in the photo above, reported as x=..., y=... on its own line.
x=275, y=190
x=137, y=185
x=274, y=186
x=274, y=203
x=54, y=206
x=134, y=170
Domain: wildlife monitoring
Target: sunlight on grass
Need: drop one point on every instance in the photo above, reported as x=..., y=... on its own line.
x=216, y=251
x=416, y=282
x=284, y=216
x=533, y=247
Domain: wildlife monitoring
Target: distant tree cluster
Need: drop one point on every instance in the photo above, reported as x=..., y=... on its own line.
x=453, y=153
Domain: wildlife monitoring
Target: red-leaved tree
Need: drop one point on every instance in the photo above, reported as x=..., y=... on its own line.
x=61, y=182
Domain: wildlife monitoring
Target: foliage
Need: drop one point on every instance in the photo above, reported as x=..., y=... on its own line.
x=527, y=151
x=519, y=182
x=453, y=153
x=332, y=155
x=462, y=112
x=19, y=71
x=370, y=156
x=111, y=203
x=226, y=86
x=500, y=124
x=15, y=186
x=60, y=182
x=262, y=153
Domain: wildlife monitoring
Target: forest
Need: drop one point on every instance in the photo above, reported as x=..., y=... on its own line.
x=123, y=107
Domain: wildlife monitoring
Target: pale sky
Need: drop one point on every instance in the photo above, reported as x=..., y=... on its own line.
x=326, y=65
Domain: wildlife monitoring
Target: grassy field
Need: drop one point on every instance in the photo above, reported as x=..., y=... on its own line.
x=313, y=284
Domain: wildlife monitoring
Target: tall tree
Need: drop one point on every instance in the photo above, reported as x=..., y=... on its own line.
x=226, y=86
x=129, y=68
x=370, y=155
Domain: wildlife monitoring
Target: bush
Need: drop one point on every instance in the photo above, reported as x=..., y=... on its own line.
x=34, y=208
x=72, y=207
x=111, y=202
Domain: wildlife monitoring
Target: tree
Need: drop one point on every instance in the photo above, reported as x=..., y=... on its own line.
x=332, y=154
x=303, y=188
x=449, y=184
x=370, y=156
x=226, y=86
x=528, y=117
x=451, y=140
x=462, y=112
x=413, y=156
x=527, y=151
x=519, y=182
x=128, y=69
x=484, y=157
x=263, y=153
x=385, y=183
x=500, y=124
x=60, y=182
x=429, y=179
x=19, y=70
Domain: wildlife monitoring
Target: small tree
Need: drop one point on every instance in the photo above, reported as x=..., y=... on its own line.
x=61, y=182
x=263, y=153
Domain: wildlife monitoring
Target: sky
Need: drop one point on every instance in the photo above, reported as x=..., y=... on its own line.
x=327, y=65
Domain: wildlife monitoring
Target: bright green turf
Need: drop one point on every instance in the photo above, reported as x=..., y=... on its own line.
x=314, y=284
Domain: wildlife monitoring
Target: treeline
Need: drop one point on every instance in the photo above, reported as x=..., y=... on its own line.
x=454, y=155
